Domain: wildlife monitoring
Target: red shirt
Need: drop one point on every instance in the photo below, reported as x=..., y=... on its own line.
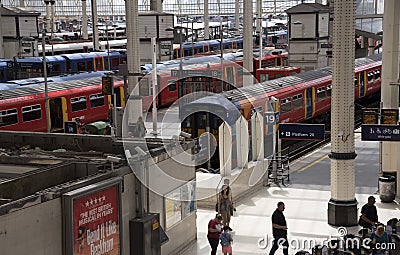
x=212, y=224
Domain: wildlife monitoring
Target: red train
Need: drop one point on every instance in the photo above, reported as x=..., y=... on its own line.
x=23, y=109
x=304, y=97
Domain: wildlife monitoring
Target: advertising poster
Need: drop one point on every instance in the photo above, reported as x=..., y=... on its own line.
x=188, y=198
x=173, y=208
x=96, y=223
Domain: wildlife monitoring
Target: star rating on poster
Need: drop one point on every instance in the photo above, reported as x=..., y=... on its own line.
x=95, y=201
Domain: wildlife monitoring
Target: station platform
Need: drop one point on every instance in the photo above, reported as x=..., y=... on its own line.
x=306, y=200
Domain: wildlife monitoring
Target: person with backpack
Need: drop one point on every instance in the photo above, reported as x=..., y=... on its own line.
x=226, y=241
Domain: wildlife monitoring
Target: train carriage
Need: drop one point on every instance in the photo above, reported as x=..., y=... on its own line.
x=23, y=109
x=304, y=97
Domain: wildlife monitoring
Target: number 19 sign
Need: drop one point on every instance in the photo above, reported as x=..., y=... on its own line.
x=271, y=117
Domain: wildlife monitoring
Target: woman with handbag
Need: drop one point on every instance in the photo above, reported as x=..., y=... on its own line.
x=225, y=204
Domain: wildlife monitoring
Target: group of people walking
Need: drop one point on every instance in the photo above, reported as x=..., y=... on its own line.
x=218, y=228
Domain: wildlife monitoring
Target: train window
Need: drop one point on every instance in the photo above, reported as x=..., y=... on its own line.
x=279, y=75
x=2, y=76
x=321, y=92
x=114, y=62
x=8, y=117
x=81, y=66
x=377, y=74
x=78, y=103
x=356, y=81
x=171, y=85
x=370, y=76
x=96, y=100
x=56, y=69
x=285, y=61
x=271, y=63
x=144, y=87
x=33, y=112
x=298, y=101
x=89, y=65
x=329, y=90
x=286, y=105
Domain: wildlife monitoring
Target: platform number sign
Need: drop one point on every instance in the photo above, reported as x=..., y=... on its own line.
x=271, y=117
x=107, y=85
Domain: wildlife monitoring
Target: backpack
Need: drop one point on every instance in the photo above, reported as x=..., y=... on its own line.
x=225, y=239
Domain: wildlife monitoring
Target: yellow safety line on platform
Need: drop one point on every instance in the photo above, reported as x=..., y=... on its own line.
x=310, y=165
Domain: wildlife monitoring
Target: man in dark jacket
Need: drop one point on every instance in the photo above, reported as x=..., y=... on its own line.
x=279, y=230
x=369, y=214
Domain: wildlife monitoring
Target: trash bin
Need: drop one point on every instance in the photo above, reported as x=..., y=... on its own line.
x=387, y=188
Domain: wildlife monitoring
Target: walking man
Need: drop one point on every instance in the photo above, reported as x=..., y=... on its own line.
x=279, y=230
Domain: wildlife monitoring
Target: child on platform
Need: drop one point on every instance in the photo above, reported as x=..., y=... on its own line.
x=226, y=241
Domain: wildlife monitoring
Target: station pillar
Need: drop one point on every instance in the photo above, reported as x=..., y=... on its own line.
x=342, y=207
x=47, y=3
x=206, y=21
x=95, y=35
x=247, y=43
x=133, y=59
x=84, y=21
x=390, y=75
x=156, y=5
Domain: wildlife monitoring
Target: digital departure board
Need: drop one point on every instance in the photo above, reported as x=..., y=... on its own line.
x=389, y=116
x=370, y=116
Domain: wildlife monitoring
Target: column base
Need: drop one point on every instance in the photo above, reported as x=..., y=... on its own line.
x=342, y=213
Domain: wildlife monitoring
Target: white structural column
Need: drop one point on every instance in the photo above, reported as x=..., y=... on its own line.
x=390, y=73
x=47, y=2
x=84, y=21
x=132, y=32
x=21, y=3
x=156, y=5
x=206, y=21
x=95, y=35
x=247, y=43
x=237, y=18
x=342, y=207
x=259, y=16
x=53, y=15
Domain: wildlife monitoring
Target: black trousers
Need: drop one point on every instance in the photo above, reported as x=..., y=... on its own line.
x=214, y=244
x=280, y=240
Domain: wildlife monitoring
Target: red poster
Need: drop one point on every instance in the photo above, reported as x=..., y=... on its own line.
x=96, y=225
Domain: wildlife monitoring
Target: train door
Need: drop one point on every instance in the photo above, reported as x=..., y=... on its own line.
x=363, y=84
x=99, y=64
x=58, y=113
x=309, y=103
x=230, y=78
x=118, y=96
x=206, y=48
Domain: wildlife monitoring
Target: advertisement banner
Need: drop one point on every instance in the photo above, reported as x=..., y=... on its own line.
x=93, y=220
x=96, y=223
